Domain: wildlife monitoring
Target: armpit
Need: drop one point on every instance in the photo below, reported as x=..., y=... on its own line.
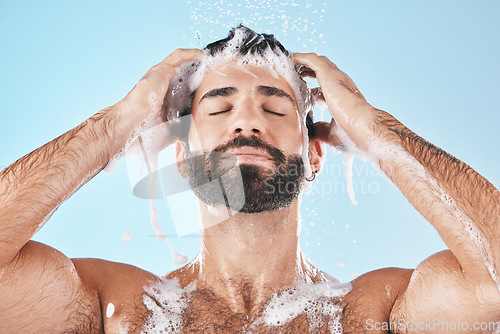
x=40, y=291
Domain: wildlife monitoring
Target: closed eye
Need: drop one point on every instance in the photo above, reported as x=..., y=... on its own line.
x=219, y=112
x=274, y=113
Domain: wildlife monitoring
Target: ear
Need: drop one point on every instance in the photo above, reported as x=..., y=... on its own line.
x=180, y=158
x=317, y=154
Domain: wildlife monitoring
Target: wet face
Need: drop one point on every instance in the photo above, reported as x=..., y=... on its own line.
x=246, y=130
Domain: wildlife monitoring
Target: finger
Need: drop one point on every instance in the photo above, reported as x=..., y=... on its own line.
x=305, y=72
x=313, y=61
x=179, y=56
x=304, y=59
x=175, y=59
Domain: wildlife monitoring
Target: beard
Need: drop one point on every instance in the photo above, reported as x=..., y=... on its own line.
x=216, y=179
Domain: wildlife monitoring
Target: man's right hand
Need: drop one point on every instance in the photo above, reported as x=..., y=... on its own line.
x=348, y=107
x=146, y=98
x=34, y=278
x=145, y=103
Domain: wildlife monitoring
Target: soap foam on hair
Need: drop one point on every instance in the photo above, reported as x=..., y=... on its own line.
x=188, y=77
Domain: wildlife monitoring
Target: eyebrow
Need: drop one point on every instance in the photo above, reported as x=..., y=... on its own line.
x=265, y=90
x=225, y=91
x=273, y=91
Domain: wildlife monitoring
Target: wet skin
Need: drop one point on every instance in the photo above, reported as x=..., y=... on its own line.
x=44, y=291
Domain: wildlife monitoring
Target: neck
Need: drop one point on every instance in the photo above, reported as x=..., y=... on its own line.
x=245, y=258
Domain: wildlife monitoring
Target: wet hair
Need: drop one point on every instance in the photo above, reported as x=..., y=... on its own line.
x=252, y=43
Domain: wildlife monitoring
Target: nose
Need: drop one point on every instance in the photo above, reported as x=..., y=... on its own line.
x=248, y=120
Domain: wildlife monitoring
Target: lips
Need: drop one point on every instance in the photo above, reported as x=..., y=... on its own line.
x=250, y=153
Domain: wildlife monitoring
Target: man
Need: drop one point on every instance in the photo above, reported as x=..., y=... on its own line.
x=250, y=275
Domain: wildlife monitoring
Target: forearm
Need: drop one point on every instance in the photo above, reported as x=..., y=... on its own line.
x=461, y=204
x=35, y=185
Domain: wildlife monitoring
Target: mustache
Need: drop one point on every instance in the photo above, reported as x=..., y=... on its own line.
x=252, y=141
x=209, y=165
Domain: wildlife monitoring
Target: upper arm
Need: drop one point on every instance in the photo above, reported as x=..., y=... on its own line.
x=372, y=297
x=41, y=291
x=122, y=286
x=439, y=291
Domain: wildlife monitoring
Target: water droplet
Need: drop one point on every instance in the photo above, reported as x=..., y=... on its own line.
x=110, y=310
x=126, y=236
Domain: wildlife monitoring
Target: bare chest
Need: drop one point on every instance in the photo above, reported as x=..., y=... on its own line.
x=217, y=318
x=202, y=317
x=292, y=312
x=319, y=316
x=214, y=317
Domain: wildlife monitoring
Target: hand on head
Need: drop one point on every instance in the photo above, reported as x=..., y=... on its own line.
x=147, y=96
x=145, y=101
x=345, y=102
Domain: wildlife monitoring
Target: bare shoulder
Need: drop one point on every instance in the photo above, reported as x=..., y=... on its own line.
x=120, y=289
x=41, y=291
x=372, y=298
x=441, y=292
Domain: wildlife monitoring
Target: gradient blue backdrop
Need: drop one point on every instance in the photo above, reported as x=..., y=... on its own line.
x=432, y=64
